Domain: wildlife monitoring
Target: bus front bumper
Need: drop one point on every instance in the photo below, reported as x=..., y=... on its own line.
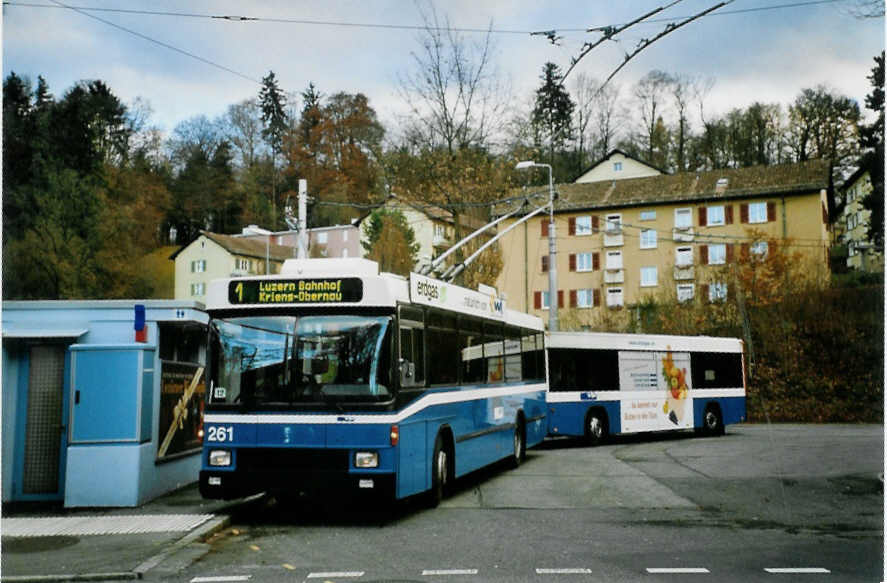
x=227, y=485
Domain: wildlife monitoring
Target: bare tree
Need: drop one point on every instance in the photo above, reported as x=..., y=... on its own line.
x=585, y=89
x=681, y=91
x=650, y=93
x=244, y=130
x=454, y=93
x=598, y=116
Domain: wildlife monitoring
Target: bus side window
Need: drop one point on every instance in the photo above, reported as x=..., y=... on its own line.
x=419, y=354
x=406, y=364
x=442, y=334
x=583, y=369
x=494, y=351
x=716, y=370
x=513, y=362
x=412, y=357
x=528, y=356
x=563, y=369
x=471, y=346
x=540, y=357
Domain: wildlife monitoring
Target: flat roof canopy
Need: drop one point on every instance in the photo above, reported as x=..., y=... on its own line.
x=44, y=333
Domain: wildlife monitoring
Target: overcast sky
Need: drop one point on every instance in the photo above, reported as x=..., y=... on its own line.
x=755, y=50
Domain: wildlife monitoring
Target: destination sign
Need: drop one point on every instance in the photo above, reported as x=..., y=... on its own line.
x=296, y=291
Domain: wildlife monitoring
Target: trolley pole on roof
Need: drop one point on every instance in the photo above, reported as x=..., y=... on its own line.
x=552, y=245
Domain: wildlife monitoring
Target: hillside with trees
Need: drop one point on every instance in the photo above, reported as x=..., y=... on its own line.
x=91, y=185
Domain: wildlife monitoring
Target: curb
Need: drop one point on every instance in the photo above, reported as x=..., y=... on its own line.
x=204, y=531
x=122, y=576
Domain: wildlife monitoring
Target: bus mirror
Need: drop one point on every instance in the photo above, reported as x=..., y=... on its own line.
x=407, y=372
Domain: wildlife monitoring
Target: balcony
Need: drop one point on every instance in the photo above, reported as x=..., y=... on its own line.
x=614, y=276
x=684, y=272
x=613, y=238
x=682, y=234
x=615, y=300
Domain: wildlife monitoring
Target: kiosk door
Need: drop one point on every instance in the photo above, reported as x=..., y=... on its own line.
x=44, y=429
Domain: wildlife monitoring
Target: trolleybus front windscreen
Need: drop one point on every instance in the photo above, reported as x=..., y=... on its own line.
x=274, y=360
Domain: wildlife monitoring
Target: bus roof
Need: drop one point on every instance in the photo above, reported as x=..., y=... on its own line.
x=657, y=342
x=354, y=282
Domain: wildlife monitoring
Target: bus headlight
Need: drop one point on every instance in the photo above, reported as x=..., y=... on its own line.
x=219, y=457
x=366, y=459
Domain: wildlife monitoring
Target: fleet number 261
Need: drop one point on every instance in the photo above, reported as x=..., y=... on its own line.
x=219, y=433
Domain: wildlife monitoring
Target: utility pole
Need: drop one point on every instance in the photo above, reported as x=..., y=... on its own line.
x=303, y=219
x=552, y=245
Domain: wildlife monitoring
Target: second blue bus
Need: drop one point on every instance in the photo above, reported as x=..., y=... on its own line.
x=605, y=384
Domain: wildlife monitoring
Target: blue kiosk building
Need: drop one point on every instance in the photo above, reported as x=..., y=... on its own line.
x=102, y=400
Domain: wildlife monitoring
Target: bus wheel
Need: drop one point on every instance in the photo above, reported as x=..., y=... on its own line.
x=712, y=423
x=595, y=427
x=520, y=444
x=440, y=467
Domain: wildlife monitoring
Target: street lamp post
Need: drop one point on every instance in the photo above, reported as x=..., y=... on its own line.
x=552, y=245
x=254, y=230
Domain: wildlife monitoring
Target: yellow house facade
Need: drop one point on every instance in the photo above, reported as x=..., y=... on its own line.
x=212, y=256
x=664, y=236
x=854, y=221
x=434, y=228
x=617, y=165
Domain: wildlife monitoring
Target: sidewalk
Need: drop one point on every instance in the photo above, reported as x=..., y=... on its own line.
x=104, y=544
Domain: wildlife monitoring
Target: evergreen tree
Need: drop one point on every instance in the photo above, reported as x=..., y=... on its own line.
x=553, y=111
x=311, y=115
x=872, y=140
x=272, y=102
x=391, y=241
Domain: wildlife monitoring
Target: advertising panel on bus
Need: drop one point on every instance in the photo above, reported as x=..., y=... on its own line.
x=657, y=386
x=432, y=292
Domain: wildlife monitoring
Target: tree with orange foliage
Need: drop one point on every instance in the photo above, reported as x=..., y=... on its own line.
x=336, y=149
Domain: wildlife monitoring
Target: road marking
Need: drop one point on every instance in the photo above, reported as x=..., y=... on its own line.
x=221, y=579
x=565, y=571
x=680, y=570
x=427, y=572
x=797, y=570
x=336, y=574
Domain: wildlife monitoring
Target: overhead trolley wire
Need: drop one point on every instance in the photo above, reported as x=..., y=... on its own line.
x=155, y=41
x=392, y=26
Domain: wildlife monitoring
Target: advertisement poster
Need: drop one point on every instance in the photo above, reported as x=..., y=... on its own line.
x=182, y=391
x=655, y=389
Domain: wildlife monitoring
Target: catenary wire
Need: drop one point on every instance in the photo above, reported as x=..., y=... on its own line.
x=158, y=42
x=390, y=26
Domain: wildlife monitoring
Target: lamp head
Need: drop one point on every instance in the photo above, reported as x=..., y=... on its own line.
x=524, y=164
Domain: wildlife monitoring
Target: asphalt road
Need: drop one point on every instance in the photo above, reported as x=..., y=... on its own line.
x=763, y=503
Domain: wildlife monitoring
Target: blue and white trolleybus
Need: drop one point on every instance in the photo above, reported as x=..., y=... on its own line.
x=602, y=384
x=331, y=376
